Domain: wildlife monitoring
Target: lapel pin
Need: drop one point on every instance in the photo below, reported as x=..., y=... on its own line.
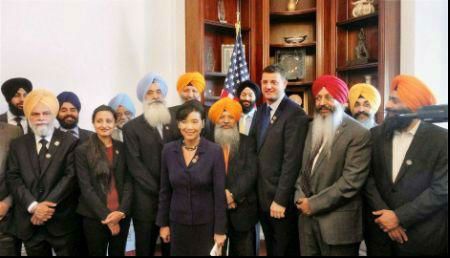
x=167, y=127
x=409, y=162
x=117, y=152
x=57, y=143
x=48, y=156
x=274, y=119
x=195, y=160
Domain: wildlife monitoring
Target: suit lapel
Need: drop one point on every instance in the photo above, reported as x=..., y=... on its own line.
x=274, y=120
x=323, y=155
x=53, y=148
x=32, y=153
x=413, y=152
x=388, y=159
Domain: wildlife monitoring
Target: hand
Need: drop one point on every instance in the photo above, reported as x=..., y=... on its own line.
x=164, y=233
x=277, y=211
x=36, y=221
x=44, y=211
x=398, y=235
x=220, y=240
x=387, y=220
x=4, y=208
x=114, y=228
x=114, y=218
x=303, y=207
x=230, y=201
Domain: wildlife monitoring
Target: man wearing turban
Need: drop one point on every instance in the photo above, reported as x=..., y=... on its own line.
x=68, y=116
x=191, y=86
x=279, y=130
x=241, y=169
x=41, y=177
x=15, y=90
x=335, y=167
x=125, y=110
x=249, y=93
x=407, y=191
x=145, y=137
x=365, y=100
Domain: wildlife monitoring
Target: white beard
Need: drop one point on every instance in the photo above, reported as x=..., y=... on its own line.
x=369, y=123
x=229, y=137
x=324, y=129
x=156, y=113
x=43, y=130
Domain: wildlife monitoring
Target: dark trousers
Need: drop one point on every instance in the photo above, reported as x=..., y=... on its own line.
x=191, y=240
x=42, y=244
x=281, y=234
x=312, y=243
x=100, y=241
x=147, y=234
x=10, y=245
x=241, y=243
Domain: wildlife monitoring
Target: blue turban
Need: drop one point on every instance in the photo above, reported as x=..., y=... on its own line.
x=123, y=100
x=71, y=98
x=147, y=81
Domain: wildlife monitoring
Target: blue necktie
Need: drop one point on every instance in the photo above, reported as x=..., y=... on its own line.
x=265, y=123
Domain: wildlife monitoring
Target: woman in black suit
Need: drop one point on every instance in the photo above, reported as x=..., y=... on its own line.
x=106, y=189
x=192, y=202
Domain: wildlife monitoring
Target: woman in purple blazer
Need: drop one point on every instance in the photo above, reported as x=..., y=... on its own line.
x=192, y=202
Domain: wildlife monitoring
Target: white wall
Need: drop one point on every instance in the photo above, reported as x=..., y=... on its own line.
x=425, y=43
x=96, y=48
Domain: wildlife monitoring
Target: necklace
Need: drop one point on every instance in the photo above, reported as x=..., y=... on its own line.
x=189, y=148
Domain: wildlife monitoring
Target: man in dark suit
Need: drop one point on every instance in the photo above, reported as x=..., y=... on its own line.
x=249, y=94
x=68, y=116
x=144, y=138
x=41, y=178
x=407, y=191
x=240, y=162
x=191, y=86
x=15, y=90
x=280, y=131
x=335, y=168
x=9, y=244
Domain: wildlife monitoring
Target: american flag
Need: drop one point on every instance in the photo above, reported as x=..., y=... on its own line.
x=238, y=70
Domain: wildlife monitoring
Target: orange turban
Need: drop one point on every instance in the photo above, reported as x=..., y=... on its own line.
x=195, y=79
x=225, y=104
x=40, y=97
x=413, y=92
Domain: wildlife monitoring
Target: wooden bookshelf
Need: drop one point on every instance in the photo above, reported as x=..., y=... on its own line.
x=382, y=30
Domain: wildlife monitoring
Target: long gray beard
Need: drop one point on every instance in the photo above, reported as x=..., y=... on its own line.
x=42, y=131
x=226, y=137
x=324, y=130
x=156, y=113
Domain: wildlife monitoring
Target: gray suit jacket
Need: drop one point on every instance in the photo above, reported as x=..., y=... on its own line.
x=336, y=183
x=7, y=133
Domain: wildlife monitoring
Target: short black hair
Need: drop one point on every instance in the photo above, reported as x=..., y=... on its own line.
x=106, y=109
x=275, y=68
x=189, y=107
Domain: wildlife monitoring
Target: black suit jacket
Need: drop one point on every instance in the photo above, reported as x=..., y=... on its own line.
x=93, y=202
x=241, y=182
x=84, y=135
x=419, y=197
x=56, y=183
x=143, y=147
x=279, y=156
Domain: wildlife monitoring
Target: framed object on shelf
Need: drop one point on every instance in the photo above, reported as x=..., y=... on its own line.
x=293, y=62
x=301, y=96
x=227, y=52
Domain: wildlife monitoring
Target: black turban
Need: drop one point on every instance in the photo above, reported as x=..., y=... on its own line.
x=12, y=86
x=249, y=84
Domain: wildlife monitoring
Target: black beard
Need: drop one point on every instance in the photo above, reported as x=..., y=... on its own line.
x=394, y=122
x=245, y=109
x=68, y=126
x=15, y=110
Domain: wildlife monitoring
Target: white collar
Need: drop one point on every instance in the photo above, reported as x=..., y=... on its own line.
x=12, y=117
x=48, y=138
x=251, y=113
x=274, y=106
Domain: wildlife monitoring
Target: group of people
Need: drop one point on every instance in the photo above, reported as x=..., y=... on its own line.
x=196, y=177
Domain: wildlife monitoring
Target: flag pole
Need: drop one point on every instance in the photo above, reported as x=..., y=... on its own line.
x=238, y=20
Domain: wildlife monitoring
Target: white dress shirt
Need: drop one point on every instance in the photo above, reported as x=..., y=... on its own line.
x=401, y=143
x=274, y=106
x=12, y=121
x=245, y=123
